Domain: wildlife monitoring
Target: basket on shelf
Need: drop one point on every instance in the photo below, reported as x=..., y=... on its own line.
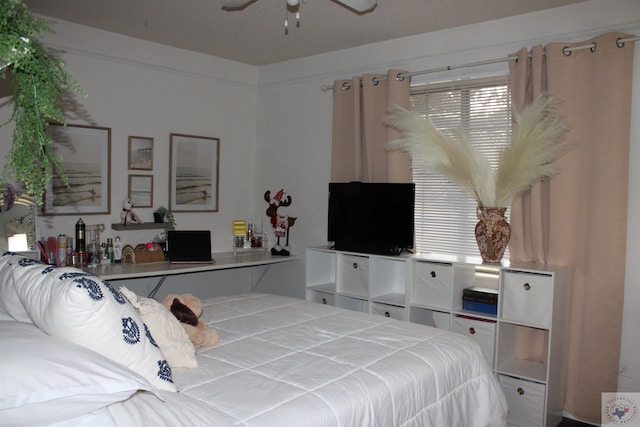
x=143, y=253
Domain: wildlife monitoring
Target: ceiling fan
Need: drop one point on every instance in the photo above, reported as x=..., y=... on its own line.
x=358, y=6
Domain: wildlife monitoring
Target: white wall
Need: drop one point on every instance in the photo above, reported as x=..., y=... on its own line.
x=144, y=89
x=275, y=126
x=294, y=120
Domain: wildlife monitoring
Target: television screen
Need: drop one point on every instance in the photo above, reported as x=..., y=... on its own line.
x=371, y=217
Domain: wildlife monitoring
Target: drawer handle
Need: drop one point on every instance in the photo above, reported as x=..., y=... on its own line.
x=520, y=391
x=433, y=274
x=472, y=331
x=527, y=286
x=324, y=300
x=355, y=265
x=386, y=314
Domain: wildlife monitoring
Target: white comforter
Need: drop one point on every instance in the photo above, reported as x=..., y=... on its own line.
x=286, y=362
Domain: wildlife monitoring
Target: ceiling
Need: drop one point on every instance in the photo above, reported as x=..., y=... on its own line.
x=256, y=35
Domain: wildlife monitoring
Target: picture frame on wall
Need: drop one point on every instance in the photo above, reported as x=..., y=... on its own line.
x=140, y=153
x=86, y=163
x=194, y=170
x=141, y=191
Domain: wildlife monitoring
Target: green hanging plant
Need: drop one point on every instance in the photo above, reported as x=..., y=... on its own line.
x=38, y=79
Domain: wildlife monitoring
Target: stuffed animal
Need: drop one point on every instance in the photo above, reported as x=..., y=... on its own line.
x=188, y=308
x=127, y=215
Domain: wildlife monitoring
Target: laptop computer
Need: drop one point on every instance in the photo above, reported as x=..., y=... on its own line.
x=189, y=246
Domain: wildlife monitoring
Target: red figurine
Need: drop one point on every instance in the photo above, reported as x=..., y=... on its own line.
x=280, y=223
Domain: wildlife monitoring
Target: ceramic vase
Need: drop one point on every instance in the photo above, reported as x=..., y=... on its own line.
x=492, y=233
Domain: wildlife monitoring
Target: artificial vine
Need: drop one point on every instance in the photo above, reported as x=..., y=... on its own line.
x=38, y=80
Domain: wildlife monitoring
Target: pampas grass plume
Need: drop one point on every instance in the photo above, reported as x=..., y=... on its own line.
x=536, y=144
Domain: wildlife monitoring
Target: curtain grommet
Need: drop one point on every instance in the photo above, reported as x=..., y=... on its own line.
x=375, y=81
x=566, y=51
x=346, y=86
x=594, y=47
x=400, y=77
x=620, y=42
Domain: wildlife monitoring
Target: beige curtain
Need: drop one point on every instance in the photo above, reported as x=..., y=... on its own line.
x=580, y=218
x=359, y=135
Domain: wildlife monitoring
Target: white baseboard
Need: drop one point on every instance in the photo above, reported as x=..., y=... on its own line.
x=571, y=417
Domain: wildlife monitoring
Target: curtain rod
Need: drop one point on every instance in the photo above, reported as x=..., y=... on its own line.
x=567, y=51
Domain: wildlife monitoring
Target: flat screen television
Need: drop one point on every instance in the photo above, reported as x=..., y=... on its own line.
x=374, y=218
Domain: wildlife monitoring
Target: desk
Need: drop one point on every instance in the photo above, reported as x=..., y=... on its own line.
x=223, y=260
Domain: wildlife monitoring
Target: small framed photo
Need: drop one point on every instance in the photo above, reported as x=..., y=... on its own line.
x=194, y=167
x=141, y=191
x=86, y=163
x=140, y=153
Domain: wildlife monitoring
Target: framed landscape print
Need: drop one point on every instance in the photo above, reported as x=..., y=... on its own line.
x=193, y=164
x=141, y=191
x=86, y=164
x=140, y=153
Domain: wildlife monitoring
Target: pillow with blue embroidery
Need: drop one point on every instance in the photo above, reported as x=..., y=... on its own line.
x=79, y=307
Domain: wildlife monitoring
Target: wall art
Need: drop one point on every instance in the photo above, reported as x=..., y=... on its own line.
x=86, y=163
x=194, y=167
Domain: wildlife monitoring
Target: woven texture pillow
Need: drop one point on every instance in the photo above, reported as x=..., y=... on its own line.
x=166, y=330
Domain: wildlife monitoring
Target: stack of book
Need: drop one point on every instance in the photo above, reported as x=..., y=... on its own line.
x=483, y=300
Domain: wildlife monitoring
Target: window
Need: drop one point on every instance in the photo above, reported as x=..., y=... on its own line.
x=445, y=215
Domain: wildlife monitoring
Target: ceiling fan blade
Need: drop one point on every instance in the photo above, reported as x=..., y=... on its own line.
x=359, y=5
x=231, y=5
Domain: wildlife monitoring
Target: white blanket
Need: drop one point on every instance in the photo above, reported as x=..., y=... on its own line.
x=286, y=362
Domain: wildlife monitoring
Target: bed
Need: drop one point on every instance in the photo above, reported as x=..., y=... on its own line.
x=280, y=362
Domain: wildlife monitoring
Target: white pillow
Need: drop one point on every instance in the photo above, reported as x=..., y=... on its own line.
x=45, y=379
x=9, y=302
x=82, y=308
x=166, y=330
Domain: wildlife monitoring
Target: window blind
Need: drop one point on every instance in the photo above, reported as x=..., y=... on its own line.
x=445, y=215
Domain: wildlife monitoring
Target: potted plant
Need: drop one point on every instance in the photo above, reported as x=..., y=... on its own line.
x=536, y=143
x=164, y=215
x=38, y=79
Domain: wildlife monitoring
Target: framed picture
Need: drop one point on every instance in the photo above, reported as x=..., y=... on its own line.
x=194, y=163
x=86, y=164
x=141, y=191
x=140, y=153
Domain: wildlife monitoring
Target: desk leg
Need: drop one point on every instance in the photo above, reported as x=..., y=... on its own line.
x=254, y=282
x=155, y=290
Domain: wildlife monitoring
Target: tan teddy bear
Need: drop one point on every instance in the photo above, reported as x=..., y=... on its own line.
x=188, y=308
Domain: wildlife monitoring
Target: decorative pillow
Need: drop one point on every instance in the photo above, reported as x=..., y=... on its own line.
x=45, y=379
x=79, y=307
x=166, y=330
x=9, y=302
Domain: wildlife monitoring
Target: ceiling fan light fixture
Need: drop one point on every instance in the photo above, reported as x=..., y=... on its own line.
x=292, y=6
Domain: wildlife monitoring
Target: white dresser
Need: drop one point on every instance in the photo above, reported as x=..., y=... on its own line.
x=524, y=343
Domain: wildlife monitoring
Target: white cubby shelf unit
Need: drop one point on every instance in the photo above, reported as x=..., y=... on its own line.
x=523, y=343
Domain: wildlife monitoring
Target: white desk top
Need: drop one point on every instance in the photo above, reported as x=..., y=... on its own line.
x=223, y=260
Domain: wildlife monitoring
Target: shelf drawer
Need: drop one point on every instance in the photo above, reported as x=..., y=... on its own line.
x=526, y=401
x=481, y=331
x=388, y=311
x=353, y=304
x=527, y=298
x=436, y=319
x=354, y=275
x=322, y=297
x=433, y=285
